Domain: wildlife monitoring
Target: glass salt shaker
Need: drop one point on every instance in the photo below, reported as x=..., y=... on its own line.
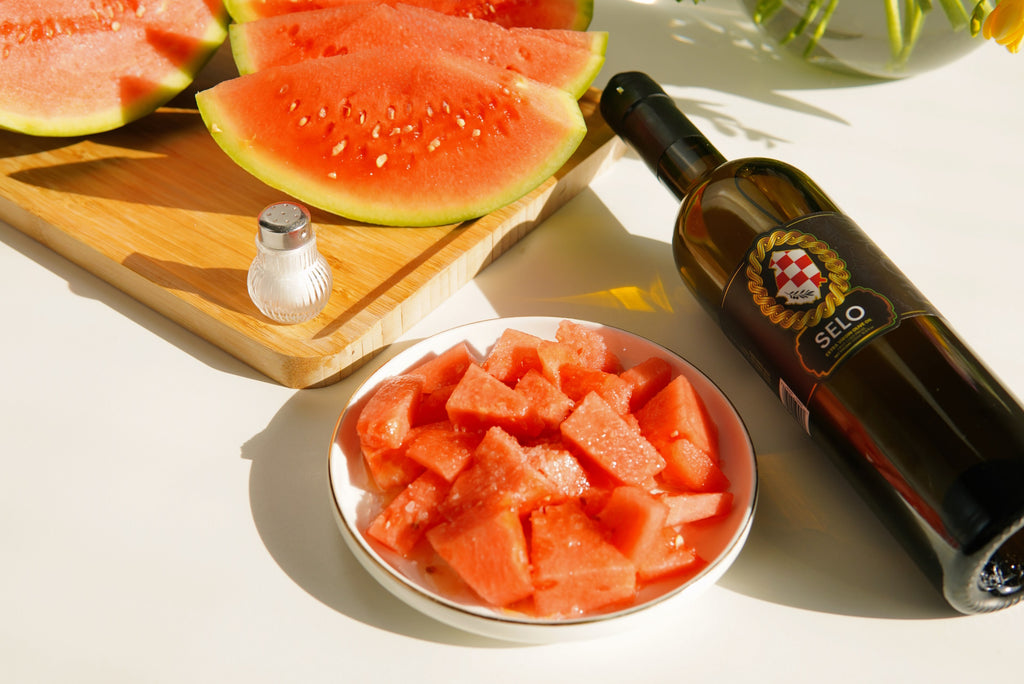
x=289, y=280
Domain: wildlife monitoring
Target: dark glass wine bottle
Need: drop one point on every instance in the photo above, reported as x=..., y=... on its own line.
x=856, y=353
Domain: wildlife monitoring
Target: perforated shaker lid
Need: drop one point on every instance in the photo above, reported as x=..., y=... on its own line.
x=285, y=226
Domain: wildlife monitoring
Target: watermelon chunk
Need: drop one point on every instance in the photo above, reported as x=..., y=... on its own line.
x=678, y=412
x=560, y=467
x=557, y=14
x=395, y=137
x=404, y=521
x=480, y=401
x=612, y=443
x=500, y=476
x=548, y=402
x=72, y=68
x=513, y=354
x=388, y=415
x=689, y=467
x=589, y=345
x=579, y=381
x=690, y=507
x=447, y=368
x=635, y=518
x=569, y=64
x=441, y=448
x=487, y=549
x=575, y=569
x=646, y=379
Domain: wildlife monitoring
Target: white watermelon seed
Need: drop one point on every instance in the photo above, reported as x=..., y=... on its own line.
x=339, y=148
x=381, y=160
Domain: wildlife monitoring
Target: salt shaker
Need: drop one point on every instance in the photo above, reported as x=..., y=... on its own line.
x=289, y=280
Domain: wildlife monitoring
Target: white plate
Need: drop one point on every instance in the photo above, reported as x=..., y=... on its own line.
x=355, y=506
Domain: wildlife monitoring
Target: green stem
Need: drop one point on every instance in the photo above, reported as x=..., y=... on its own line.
x=958, y=16
x=812, y=11
x=822, y=26
x=914, y=18
x=892, y=20
x=766, y=9
x=981, y=10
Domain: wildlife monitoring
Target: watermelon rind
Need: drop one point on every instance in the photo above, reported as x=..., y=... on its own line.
x=537, y=13
x=372, y=163
x=158, y=91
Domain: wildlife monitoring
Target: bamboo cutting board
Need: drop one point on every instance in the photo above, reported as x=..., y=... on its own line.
x=156, y=209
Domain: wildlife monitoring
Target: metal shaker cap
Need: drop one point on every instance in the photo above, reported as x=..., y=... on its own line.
x=285, y=226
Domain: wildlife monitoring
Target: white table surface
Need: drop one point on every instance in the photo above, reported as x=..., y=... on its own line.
x=164, y=513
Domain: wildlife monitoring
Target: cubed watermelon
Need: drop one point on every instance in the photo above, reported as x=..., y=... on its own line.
x=480, y=401
x=690, y=468
x=487, y=549
x=575, y=569
x=434, y=406
x=589, y=345
x=553, y=356
x=612, y=443
x=403, y=522
x=513, y=354
x=444, y=369
x=441, y=448
x=668, y=555
x=634, y=519
x=499, y=476
x=549, y=403
x=579, y=381
x=391, y=468
x=559, y=466
x=689, y=507
x=646, y=379
x=678, y=412
x=389, y=413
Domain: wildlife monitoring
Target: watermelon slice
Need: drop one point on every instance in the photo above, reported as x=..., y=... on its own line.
x=395, y=137
x=69, y=67
x=559, y=14
x=569, y=60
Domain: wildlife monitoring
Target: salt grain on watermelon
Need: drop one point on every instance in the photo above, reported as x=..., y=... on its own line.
x=403, y=522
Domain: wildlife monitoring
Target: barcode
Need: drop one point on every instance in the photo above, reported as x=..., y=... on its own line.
x=795, y=407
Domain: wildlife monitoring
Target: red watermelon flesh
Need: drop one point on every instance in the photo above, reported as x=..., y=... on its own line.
x=512, y=355
x=575, y=569
x=68, y=67
x=611, y=443
x=447, y=368
x=500, y=476
x=589, y=346
x=689, y=467
x=388, y=415
x=560, y=467
x=567, y=63
x=678, y=412
x=646, y=379
x=441, y=448
x=487, y=549
x=688, y=507
x=480, y=401
x=395, y=137
x=548, y=402
x=404, y=521
x=548, y=14
x=578, y=382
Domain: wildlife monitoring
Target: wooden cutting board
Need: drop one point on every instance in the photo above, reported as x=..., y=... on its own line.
x=156, y=209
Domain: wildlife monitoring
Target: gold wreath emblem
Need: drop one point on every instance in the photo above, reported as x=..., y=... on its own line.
x=838, y=281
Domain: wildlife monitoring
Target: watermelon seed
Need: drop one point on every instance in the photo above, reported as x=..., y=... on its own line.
x=434, y=144
x=294, y=104
x=332, y=175
x=396, y=131
x=430, y=111
x=322, y=113
x=140, y=10
x=339, y=148
x=303, y=121
x=376, y=131
x=445, y=108
x=362, y=118
x=381, y=160
x=391, y=113
x=115, y=27
x=460, y=121
x=283, y=90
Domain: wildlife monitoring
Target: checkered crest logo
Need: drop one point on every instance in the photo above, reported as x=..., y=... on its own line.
x=798, y=279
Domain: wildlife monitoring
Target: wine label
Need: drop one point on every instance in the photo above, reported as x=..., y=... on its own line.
x=808, y=296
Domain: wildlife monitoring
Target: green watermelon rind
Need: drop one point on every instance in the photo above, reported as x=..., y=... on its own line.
x=290, y=179
x=169, y=86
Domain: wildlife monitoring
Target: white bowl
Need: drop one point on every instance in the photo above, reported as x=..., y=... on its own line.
x=356, y=505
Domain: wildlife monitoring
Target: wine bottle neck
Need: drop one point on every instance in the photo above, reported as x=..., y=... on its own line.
x=643, y=115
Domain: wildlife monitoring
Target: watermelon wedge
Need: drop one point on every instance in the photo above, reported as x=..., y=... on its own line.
x=395, y=137
x=559, y=14
x=563, y=58
x=70, y=67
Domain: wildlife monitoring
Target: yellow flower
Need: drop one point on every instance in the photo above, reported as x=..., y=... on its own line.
x=1005, y=24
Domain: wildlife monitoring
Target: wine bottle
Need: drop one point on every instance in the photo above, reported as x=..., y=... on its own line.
x=856, y=353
